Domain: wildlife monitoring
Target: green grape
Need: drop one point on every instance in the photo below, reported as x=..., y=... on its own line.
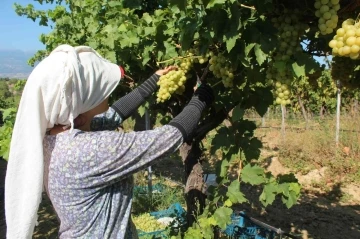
x=221, y=68
x=326, y=11
x=346, y=42
x=289, y=36
x=172, y=82
x=147, y=223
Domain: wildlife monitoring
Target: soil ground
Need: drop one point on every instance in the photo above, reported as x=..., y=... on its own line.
x=334, y=214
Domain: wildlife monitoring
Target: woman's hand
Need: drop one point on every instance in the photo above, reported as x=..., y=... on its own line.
x=165, y=70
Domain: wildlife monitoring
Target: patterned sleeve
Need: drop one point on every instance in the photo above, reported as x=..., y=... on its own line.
x=109, y=120
x=121, y=154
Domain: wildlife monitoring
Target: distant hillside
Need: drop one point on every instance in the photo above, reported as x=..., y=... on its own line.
x=13, y=63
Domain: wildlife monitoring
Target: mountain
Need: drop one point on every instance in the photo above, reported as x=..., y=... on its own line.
x=13, y=63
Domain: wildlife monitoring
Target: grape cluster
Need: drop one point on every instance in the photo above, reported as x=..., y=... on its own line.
x=221, y=68
x=281, y=82
x=289, y=32
x=147, y=223
x=174, y=81
x=346, y=42
x=326, y=11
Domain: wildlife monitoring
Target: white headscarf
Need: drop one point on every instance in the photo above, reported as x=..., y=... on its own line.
x=70, y=81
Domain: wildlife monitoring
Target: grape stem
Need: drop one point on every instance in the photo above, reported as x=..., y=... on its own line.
x=240, y=166
x=128, y=77
x=245, y=6
x=206, y=71
x=177, y=58
x=216, y=83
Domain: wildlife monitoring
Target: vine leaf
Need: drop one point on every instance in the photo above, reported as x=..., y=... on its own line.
x=234, y=193
x=181, y=4
x=253, y=175
x=212, y=3
x=222, y=217
x=238, y=113
x=298, y=70
x=269, y=193
x=260, y=55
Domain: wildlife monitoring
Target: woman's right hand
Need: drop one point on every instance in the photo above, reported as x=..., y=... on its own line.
x=205, y=93
x=165, y=70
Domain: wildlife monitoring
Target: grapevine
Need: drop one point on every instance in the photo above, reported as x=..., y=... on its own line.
x=346, y=42
x=326, y=11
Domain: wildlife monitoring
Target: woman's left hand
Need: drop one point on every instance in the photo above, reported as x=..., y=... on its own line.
x=165, y=70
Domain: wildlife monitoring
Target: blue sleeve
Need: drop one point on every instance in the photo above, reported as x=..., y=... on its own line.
x=109, y=120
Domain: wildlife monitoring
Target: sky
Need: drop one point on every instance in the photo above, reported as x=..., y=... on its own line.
x=20, y=33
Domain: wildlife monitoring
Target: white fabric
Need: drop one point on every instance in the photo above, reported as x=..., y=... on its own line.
x=70, y=81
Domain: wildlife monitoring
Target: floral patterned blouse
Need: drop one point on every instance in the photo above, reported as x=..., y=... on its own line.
x=88, y=175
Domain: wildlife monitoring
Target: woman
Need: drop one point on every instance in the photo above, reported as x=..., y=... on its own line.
x=88, y=174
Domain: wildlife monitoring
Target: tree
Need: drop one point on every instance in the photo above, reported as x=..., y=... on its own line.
x=243, y=49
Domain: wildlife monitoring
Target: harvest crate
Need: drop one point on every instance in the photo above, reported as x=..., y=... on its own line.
x=156, y=188
x=242, y=227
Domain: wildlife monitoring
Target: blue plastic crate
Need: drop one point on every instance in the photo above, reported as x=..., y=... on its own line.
x=242, y=228
x=156, y=188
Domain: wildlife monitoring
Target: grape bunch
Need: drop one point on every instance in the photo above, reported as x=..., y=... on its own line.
x=346, y=42
x=281, y=82
x=326, y=11
x=221, y=68
x=174, y=81
x=147, y=223
x=290, y=30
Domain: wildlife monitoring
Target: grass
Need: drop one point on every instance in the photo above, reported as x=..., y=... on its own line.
x=159, y=200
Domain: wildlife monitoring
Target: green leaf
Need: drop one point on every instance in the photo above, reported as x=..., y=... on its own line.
x=230, y=43
x=248, y=48
x=170, y=50
x=260, y=55
x=222, y=217
x=141, y=110
x=181, y=4
x=222, y=140
x=269, y=193
x=111, y=56
x=238, y=113
x=147, y=18
x=9, y=113
x=150, y=30
x=251, y=148
x=290, y=200
x=224, y=168
x=298, y=70
x=122, y=28
x=193, y=233
x=253, y=175
x=212, y=3
x=234, y=193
